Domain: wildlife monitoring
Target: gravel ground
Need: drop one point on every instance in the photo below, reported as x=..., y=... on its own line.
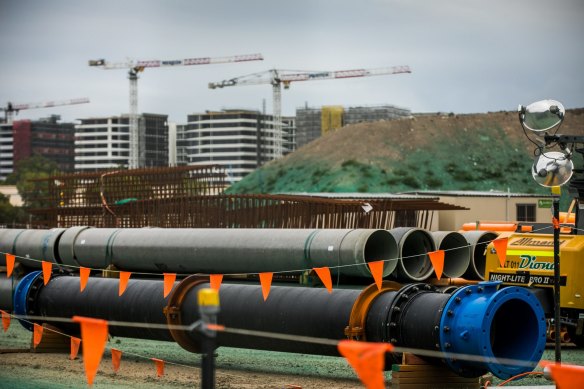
x=236, y=368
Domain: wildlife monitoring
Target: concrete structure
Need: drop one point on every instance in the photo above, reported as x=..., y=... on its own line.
x=46, y=137
x=311, y=123
x=491, y=206
x=104, y=143
x=239, y=140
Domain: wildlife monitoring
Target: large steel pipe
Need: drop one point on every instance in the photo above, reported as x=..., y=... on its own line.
x=6, y=286
x=475, y=320
x=478, y=241
x=228, y=250
x=414, y=244
x=31, y=246
x=456, y=252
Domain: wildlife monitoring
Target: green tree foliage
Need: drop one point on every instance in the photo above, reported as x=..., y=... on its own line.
x=28, y=170
x=10, y=214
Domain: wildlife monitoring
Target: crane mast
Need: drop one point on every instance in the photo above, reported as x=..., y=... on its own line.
x=277, y=78
x=136, y=66
x=11, y=109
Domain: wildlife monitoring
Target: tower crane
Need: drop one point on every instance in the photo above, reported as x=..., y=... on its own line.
x=11, y=109
x=277, y=78
x=136, y=66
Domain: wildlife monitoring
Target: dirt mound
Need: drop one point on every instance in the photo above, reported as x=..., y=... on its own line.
x=434, y=151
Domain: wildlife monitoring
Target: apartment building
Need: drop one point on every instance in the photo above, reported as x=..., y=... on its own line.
x=238, y=140
x=104, y=142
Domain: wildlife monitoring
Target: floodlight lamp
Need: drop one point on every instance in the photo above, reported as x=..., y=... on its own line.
x=541, y=116
x=552, y=168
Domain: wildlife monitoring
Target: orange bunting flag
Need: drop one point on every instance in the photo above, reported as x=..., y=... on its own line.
x=266, y=281
x=47, y=268
x=75, y=342
x=376, y=269
x=9, y=264
x=566, y=376
x=501, y=249
x=437, y=259
x=94, y=336
x=37, y=335
x=367, y=359
x=83, y=277
x=215, y=281
x=124, y=277
x=5, y=320
x=556, y=223
x=324, y=273
x=159, y=367
x=116, y=359
x=169, y=279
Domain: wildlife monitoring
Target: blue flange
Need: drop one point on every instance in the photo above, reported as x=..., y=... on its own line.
x=501, y=326
x=20, y=299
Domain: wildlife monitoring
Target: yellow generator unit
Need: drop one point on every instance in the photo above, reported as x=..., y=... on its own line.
x=530, y=263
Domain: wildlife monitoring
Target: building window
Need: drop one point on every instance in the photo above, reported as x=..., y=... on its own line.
x=525, y=212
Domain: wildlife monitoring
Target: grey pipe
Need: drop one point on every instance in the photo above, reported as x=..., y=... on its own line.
x=414, y=244
x=478, y=241
x=38, y=245
x=456, y=252
x=228, y=251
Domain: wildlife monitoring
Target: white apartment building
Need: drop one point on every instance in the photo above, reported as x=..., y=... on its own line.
x=104, y=143
x=238, y=140
x=6, y=150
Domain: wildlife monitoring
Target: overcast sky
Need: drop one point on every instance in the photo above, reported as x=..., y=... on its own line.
x=466, y=56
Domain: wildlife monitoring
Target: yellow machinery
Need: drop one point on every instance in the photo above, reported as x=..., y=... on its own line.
x=530, y=263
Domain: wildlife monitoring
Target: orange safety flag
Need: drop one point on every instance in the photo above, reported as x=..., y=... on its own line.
x=94, y=336
x=556, y=223
x=266, y=281
x=566, y=376
x=47, y=268
x=376, y=269
x=116, y=359
x=501, y=249
x=9, y=264
x=83, y=277
x=367, y=359
x=5, y=320
x=437, y=259
x=169, y=279
x=37, y=335
x=215, y=281
x=159, y=366
x=75, y=342
x=324, y=273
x=124, y=277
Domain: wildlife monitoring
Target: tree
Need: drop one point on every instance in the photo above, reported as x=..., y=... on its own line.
x=10, y=214
x=27, y=170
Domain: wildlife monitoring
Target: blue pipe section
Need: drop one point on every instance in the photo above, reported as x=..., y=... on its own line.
x=21, y=294
x=502, y=325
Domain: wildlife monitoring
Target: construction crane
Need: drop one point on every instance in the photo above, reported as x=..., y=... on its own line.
x=134, y=67
x=11, y=109
x=277, y=78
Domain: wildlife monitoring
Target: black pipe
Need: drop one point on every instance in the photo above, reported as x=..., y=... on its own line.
x=142, y=301
x=416, y=316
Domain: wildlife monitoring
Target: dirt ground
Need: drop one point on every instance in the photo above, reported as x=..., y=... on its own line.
x=236, y=368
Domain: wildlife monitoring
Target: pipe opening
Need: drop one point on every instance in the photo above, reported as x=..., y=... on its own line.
x=511, y=338
x=457, y=254
x=414, y=255
x=479, y=241
x=381, y=245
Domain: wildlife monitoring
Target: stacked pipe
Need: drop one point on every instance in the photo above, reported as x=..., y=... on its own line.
x=477, y=320
x=227, y=251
